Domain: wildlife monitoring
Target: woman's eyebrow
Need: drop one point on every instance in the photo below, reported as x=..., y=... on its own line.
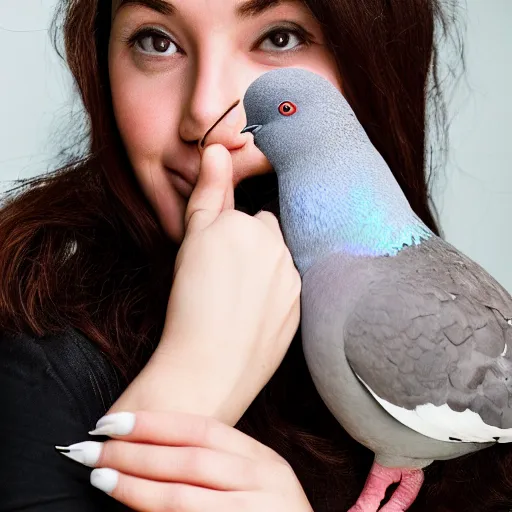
x=248, y=9
x=160, y=6
x=253, y=8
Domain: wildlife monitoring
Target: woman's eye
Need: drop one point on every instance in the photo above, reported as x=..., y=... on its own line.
x=281, y=39
x=284, y=39
x=153, y=42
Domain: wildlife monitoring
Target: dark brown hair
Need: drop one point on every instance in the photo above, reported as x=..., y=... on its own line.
x=81, y=246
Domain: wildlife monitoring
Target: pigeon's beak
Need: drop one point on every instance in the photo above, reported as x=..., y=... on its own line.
x=253, y=128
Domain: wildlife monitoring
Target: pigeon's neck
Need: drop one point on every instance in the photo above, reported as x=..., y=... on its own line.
x=356, y=211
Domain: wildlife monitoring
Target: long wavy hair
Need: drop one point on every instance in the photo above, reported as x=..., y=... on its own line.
x=82, y=247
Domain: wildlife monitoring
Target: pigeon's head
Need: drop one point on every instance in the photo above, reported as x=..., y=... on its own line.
x=336, y=192
x=291, y=112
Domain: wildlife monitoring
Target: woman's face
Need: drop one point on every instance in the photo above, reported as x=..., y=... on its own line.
x=175, y=69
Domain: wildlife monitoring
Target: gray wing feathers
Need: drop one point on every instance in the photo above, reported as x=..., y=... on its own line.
x=433, y=327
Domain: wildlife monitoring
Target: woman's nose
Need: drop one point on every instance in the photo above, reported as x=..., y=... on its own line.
x=213, y=105
x=227, y=129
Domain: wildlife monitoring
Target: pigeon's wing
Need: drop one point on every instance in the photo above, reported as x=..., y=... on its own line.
x=431, y=339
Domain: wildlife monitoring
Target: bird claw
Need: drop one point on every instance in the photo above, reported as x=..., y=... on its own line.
x=379, y=479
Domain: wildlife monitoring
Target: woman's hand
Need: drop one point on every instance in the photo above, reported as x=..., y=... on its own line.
x=234, y=305
x=233, y=310
x=187, y=463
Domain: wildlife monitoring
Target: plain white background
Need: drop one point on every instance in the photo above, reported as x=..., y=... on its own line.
x=474, y=194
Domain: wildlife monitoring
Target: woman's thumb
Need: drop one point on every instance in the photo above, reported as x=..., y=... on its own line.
x=213, y=192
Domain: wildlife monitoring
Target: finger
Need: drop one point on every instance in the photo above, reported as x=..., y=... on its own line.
x=181, y=429
x=187, y=465
x=149, y=496
x=229, y=198
x=270, y=220
x=213, y=188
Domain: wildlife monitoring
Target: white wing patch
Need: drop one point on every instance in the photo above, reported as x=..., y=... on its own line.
x=444, y=424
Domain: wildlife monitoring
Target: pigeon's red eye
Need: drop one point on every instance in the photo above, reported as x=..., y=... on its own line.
x=287, y=108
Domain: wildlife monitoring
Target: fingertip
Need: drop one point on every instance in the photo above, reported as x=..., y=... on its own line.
x=215, y=148
x=218, y=152
x=222, y=158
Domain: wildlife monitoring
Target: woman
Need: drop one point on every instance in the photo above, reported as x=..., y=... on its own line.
x=88, y=257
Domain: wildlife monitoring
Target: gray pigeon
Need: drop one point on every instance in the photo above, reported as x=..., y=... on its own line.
x=408, y=341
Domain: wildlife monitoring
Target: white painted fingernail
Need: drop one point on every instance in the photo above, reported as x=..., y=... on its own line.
x=104, y=479
x=87, y=453
x=116, y=424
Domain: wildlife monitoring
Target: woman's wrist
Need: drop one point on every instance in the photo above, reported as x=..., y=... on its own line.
x=173, y=381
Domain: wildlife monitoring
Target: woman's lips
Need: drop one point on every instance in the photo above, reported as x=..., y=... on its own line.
x=182, y=182
x=182, y=186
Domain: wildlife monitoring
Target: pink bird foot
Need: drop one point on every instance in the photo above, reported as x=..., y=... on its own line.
x=379, y=479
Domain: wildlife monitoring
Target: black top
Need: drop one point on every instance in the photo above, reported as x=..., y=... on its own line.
x=52, y=392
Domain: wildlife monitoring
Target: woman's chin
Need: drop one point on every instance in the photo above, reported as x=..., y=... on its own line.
x=175, y=230
x=171, y=215
x=248, y=165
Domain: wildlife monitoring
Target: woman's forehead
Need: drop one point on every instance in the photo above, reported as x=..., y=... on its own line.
x=243, y=8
